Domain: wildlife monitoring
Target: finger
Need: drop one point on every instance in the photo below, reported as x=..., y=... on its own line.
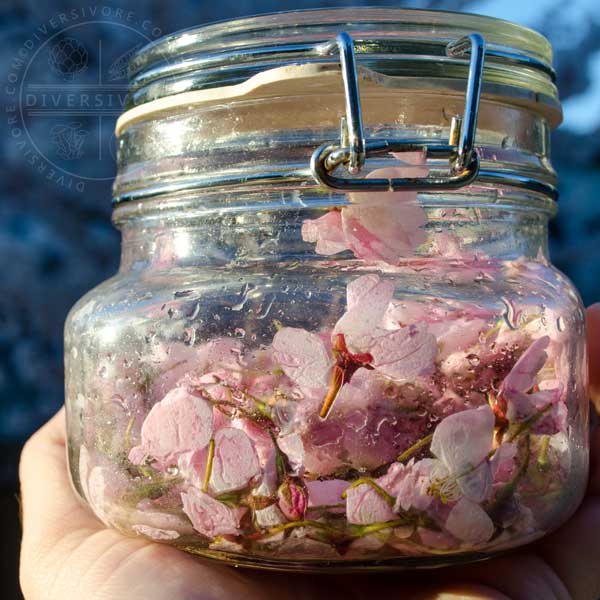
x=574, y=549
x=593, y=341
x=47, y=498
x=48, y=504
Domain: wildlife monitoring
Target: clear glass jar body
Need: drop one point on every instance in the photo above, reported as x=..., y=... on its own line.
x=237, y=394
x=284, y=376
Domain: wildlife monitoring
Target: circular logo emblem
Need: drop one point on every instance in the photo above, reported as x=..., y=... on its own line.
x=65, y=89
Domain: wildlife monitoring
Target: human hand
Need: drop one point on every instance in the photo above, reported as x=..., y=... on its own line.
x=67, y=553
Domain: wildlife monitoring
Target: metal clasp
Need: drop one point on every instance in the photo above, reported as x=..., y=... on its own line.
x=353, y=149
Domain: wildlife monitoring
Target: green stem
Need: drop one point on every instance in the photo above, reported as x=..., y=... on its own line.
x=542, y=460
x=415, y=448
x=209, y=464
x=529, y=423
x=375, y=527
x=389, y=499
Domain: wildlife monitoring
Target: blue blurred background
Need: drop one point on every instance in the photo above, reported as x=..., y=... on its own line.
x=56, y=240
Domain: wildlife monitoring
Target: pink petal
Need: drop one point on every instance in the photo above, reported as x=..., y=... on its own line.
x=327, y=232
x=326, y=493
x=235, y=462
x=503, y=462
x=180, y=422
x=411, y=490
x=367, y=298
x=436, y=539
x=523, y=374
x=302, y=356
x=476, y=484
x=521, y=407
x=469, y=522
x=412, y=163
x=293, y=447
x=404, y=353
x=462, y=440
x=365, y=506
x=385, y=231
x=209, y=516
x=457, y=335
x=156, y=533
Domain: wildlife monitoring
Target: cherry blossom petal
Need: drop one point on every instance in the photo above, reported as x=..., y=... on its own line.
x=269, y=517
x=476, y=484
x=462, y=440
x=235, y=462
x=327, y=232
x=521, y=407
x=503, y=462
x=411, y=490
x=385, y=230
x=365, y=506
x=386, y=226
x=469, y=522
x=368, y=298
x=209, y=516
x=302, y=356
x=293, y=447
x=326, y=493
x=180, y=422
x=404, y=353
x=155, y=533
x=523, y=374
x=440, y=540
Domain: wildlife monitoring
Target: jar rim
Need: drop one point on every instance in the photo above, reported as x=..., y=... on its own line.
x=252, y=63
x=228, y=52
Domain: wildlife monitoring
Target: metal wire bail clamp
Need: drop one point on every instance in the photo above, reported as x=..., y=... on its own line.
x=354, y=149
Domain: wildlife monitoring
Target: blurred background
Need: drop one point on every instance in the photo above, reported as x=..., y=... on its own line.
x=56, y=240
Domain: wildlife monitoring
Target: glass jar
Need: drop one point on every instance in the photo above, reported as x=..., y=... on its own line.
x=328, y=351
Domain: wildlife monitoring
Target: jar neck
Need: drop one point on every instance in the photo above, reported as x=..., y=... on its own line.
x=242, y=229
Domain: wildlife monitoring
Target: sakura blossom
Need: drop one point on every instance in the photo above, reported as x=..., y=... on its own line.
x=209, y=516
x=180, y=422
x=375, y=227
x=518, y=400
x=401, y=428
x=358, y=340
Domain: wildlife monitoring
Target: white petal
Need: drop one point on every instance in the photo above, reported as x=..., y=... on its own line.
x=302, y=356
x=368, y=300
x=462, y=440
x=469, y=522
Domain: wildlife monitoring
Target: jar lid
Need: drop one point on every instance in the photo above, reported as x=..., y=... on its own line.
x=406, y=51
x=400, y=42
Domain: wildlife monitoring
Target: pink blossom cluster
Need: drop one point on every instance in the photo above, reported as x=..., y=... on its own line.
x=413, y=419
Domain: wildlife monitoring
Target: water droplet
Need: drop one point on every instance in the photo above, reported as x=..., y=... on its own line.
x=510, y=314
x=195, y=312
x=473, y=359
x=266, y=311
x=560, y=324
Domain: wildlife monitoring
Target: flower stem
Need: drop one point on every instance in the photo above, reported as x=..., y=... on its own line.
x=529, y=423
x=337, y=379
x=542, y=460
x=375, y=527
x=209, y=464
x=365, y=480
x=415, y=448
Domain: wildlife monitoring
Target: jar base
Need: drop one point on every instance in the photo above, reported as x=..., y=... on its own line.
x=408, y=563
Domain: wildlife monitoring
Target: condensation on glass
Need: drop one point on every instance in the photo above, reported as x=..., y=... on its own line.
x=335, y=340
